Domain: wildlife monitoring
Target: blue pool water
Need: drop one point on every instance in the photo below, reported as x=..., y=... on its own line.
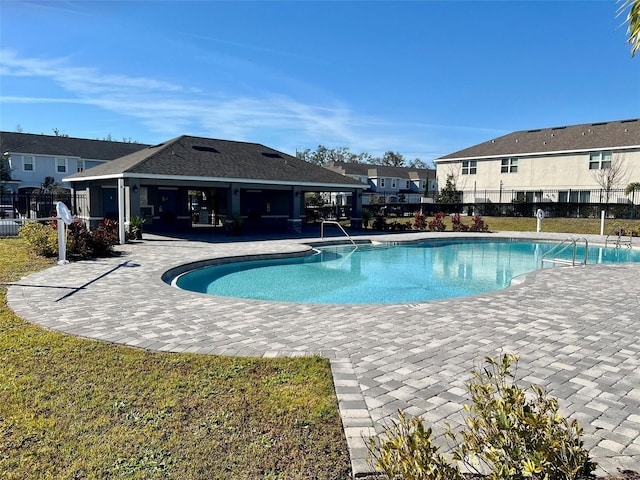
x=425, y=271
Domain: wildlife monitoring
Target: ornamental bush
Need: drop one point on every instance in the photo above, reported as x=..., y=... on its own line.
x=457, y=225
x=478, y=224
x=511, y=433
x=419, y=221
x=41, y=239
x=437, y=224
x=408, y=453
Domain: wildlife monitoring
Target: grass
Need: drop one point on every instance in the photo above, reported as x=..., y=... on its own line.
x=72, y=408
x=557, y=225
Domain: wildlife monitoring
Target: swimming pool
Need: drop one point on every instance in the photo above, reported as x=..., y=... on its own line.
x=417, y=272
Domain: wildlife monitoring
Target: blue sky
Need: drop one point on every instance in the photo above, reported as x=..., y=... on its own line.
x=423, y=78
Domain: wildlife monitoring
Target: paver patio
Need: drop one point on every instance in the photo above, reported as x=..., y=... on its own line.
x=577, y=331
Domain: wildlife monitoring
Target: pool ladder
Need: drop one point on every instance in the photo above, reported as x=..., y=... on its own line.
x=331, y=222
x=619, y=232
x=561, y=247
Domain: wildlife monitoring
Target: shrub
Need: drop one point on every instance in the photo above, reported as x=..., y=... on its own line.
x=517, y=435
x=457, y=225
x=419, y=221
x=510, y=432
x=79, y=240
x=104, y=238
x=41, y=239
x=478, y=224
x=437, y=224
x=379, y=223
x=81, y=244
x=408, y=453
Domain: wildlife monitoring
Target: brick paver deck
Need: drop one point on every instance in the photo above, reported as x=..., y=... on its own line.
x=577, y=331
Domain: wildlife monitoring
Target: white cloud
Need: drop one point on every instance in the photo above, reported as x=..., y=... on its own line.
x=170, y=109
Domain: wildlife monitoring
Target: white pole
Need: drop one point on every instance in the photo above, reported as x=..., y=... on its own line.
x=602, y=222
x=121, y=216
x=62, y=243
x=539, y=217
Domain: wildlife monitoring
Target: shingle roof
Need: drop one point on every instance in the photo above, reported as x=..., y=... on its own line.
x=196, y=157
x=370, y=170
x=84, y=148
x=584, y=137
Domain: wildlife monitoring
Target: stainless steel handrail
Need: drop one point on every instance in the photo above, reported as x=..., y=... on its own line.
x=331, y=222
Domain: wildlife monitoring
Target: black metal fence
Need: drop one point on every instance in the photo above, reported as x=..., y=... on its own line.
x=581, y=203
x=17, y=208
x=577, y=203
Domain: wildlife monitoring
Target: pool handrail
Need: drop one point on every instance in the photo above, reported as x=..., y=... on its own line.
x=565, y=244
x=333, y=222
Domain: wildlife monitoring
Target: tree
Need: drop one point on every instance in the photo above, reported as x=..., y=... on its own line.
x=323, y=156
x=417, y=163
x=58, y=133
x=314, y=199
x=633, y=20
x=632, y=187
x=50, y=186
x=391, y=159
x=449, y=193
x=611, y=175
x=5, y=168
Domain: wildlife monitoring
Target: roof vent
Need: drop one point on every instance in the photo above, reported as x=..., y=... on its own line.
x=516, y=140
x=596, y=124
x=558, y=128
x=493, y=141
x=271, y=155
x=533, y=131
x=629, y=121
x=202, y=148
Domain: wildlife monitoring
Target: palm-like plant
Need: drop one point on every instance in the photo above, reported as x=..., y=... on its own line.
x=632, y=187
x=633, y=19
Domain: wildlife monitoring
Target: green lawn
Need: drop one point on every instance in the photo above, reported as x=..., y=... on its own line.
x=558, y=225
x=74, y=409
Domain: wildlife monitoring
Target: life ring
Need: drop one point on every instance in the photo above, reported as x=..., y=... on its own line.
x=64, y=213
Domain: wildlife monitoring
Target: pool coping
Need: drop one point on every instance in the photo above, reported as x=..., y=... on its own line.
x=359, y=392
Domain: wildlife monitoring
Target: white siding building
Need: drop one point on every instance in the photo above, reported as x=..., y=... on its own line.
x=556, y=164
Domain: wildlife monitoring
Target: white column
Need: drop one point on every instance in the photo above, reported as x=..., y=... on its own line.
x=121, y=215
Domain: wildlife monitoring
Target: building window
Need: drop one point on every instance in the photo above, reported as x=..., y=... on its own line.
x=28, y=164
x=61, y=165
x=407, y=185
x=382, y=183
x=80, y=167
x=469, y=167
x=509, y=165
x=393, y=183
x=599, y=160
x=574, y=196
